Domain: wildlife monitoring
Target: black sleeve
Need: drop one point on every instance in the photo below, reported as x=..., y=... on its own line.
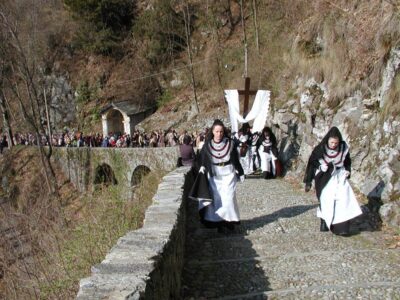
x=192, y=154
x=204, y=160
x=235, y=161
x=347, y=162
x=312, y=167
x=275, y=151
x=236, y=142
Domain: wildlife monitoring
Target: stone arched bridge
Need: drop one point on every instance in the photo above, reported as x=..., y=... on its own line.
x=123, y=166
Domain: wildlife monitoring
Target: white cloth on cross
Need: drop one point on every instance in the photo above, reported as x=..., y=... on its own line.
x=258, y=112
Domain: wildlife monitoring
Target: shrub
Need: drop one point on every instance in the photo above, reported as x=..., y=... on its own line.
x=104, y=23
x=161, y=32
x=164, y=98
x=85, y=92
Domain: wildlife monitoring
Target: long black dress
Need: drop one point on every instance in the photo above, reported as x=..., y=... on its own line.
x=215, y=184
x=335, y=160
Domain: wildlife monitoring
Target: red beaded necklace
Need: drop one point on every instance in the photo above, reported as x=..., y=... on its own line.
x=219, y=154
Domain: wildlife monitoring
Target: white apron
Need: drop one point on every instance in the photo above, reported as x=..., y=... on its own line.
x=223, y=186
x=338, y=202
x=246, y=162
x=266, y=159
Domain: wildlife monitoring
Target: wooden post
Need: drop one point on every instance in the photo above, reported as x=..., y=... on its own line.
x=246, y=92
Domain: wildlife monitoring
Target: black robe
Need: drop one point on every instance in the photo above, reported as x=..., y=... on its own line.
x=200, y=188
x=322, y=178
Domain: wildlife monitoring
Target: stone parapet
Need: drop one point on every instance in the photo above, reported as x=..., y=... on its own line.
x=147, y=263
x=81, y=165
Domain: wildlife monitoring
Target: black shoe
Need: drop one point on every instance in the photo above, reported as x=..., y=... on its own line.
x=323, y=227
x=230, y=226
x=267, y=175
x=344, y=234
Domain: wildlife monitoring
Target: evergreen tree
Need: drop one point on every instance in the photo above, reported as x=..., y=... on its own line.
x=103, y=23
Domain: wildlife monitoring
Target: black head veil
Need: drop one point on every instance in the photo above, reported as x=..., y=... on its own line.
x=271, y=135
x=333, y=132
x=318, y=152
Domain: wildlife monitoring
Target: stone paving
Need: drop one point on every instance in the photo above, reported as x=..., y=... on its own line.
x=278, y=252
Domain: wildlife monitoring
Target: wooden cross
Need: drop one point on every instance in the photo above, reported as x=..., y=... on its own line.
x=246, y=92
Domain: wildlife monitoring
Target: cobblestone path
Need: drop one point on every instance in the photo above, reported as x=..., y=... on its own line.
x=279, y=253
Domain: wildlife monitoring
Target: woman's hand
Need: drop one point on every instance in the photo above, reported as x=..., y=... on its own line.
x=323, y=168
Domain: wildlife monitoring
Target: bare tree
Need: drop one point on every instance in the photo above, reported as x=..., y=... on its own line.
x=187, y=20
x=6, y=123
x=25, y=82
x=244, y=38
x=254, y=7
x=213, y=26
x=231, y=20
x=3, y=108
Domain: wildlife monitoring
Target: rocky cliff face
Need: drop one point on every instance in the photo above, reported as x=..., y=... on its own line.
x=61, y=101
x=374, y=139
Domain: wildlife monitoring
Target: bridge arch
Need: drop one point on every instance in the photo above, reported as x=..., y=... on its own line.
x=138, y=174
x=104, y=174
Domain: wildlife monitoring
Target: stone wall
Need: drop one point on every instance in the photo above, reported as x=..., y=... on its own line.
x=147, y=263
x=80, y=164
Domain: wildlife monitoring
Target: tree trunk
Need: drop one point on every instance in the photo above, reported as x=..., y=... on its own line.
x=6, y=122
x=230, y=17
x=256, y=25
x=244, y=38
x=186, y=15
x=30, y=106
x=212, y=24
x=48, y=120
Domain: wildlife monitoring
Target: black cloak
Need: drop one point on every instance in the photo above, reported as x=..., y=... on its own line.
x=322, y=178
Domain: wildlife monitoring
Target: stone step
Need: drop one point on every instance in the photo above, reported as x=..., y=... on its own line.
x=372, y=291
x=110, y=286
x=298, y=271
x=275, y=244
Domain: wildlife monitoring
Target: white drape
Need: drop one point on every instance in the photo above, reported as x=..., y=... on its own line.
x=258, y=112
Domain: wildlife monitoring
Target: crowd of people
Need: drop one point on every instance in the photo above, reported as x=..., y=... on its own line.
x=72, y=138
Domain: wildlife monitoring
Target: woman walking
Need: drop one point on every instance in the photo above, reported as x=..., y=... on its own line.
x=215, y=185
x=330, y=166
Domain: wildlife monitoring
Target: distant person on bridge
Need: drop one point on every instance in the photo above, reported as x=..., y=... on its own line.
x=186, y=150
x=215, y=185
x=330, y=166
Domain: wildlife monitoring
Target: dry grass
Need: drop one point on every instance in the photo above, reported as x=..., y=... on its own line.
x=392, y=103
x=47, y=245
x=355, y=39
